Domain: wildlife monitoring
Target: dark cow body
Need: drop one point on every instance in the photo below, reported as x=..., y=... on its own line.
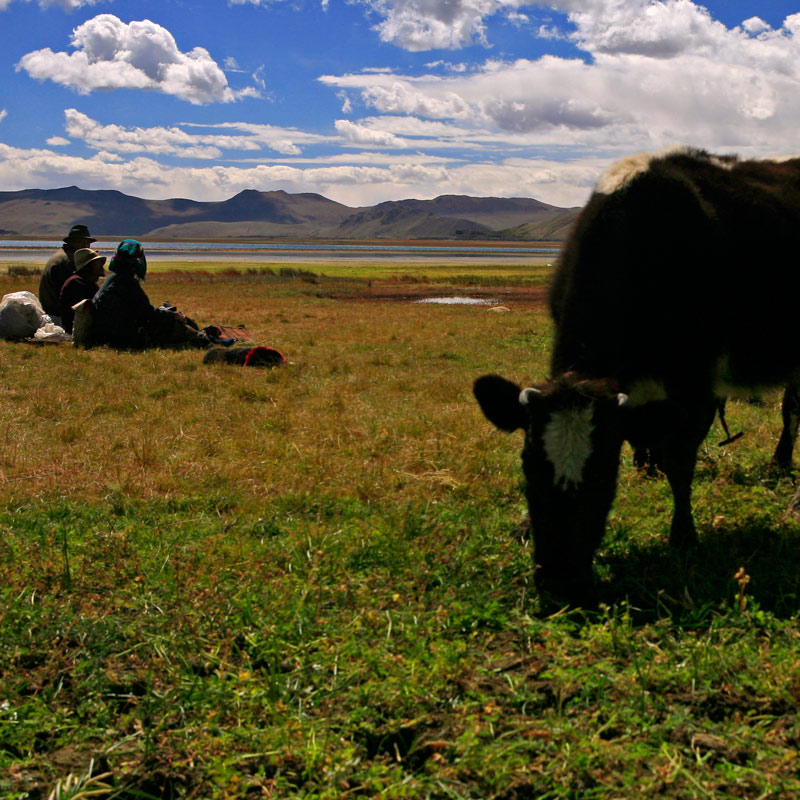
x=676, y=287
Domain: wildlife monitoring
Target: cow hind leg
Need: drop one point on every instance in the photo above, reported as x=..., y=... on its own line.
x=790, y=411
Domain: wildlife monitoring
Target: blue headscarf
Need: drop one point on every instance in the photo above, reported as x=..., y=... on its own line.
x=129, y=257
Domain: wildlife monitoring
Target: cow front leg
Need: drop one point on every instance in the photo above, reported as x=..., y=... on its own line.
x=790, y=411
x=678, y=463
x=679, y=469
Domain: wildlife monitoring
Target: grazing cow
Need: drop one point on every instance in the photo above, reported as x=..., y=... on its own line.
x=676, y=287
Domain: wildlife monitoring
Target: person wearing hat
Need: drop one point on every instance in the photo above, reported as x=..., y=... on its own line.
x=59, y=267
x=125, y=318
x=82, y=285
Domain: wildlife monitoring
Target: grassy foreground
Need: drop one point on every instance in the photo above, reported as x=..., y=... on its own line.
x=310, y=582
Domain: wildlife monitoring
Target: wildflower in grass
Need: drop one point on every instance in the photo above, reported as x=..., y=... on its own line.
x=742, y=578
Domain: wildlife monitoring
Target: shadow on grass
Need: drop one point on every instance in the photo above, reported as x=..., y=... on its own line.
x=659, y=581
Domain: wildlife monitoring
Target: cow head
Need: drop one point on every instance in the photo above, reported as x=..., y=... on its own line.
x=570, y=459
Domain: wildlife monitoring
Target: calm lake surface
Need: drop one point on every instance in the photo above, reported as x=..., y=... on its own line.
x=23, y=250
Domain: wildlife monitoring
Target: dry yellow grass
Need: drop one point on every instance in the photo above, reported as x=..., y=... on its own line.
x=376, y=399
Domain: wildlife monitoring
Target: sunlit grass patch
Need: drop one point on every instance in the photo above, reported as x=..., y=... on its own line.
x=466, y=273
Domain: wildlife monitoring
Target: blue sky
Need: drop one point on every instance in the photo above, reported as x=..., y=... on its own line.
x=371, y=100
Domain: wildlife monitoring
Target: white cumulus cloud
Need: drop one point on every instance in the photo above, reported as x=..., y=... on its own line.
x=183, y=140
x=418, y=25
x=658, y=73
x=355, y=133
x=658, y=28
x=118, y=139
x=112, y=54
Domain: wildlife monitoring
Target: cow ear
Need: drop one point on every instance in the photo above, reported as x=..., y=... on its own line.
x=499, y=400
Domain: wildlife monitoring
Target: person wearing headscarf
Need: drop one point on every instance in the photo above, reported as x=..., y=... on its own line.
x=82, y=285
x=59, y=267
x=125, y=318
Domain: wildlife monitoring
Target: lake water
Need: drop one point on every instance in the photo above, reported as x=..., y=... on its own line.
x=32, y=250
x=457, y=301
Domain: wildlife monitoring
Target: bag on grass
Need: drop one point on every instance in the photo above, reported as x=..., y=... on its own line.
x=245, y=356
x=21, y=315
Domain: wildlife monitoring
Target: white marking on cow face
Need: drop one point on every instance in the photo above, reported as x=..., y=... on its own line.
x=622, y=172
x=567, y=442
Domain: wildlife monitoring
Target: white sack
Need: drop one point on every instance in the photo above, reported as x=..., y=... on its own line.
x=21, y=315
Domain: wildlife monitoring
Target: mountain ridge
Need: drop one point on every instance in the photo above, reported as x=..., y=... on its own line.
x=49, y=213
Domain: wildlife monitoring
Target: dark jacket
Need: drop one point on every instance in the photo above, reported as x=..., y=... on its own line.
x=76, y=288
x=125, y=318
x=56, y=271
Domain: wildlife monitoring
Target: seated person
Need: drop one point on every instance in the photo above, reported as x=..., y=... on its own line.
x=123, y=314
x=59, y=267
x=82, y=285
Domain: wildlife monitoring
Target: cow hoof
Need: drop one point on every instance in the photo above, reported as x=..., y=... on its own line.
x=578, y=594
x=782, y=464
x=683, y=539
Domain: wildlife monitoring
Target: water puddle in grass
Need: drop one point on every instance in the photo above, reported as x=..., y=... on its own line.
x=457, y=301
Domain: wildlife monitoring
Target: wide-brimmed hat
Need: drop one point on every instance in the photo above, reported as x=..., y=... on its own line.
x=79, y=232
x=84, y=257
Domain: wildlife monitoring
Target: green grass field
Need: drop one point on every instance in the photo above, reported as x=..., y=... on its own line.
x=426, y=271
x=310, y=582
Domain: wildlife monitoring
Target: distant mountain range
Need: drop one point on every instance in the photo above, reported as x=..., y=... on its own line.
x=50, y=213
